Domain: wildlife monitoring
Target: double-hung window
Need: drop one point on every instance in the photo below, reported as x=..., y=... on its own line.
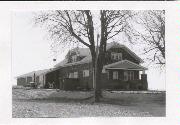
x=73, y=75
x=85, y=73
x=115, y=75
x=74, y=58
x=128, y=75
x=116, y=56
x=125, y=75
x=131, y=75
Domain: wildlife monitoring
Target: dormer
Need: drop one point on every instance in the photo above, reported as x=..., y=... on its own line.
x=74, y=58
x=77, y=54
x=116, y=56
x=117, y=52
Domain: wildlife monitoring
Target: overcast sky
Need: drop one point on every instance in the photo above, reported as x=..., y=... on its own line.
x=31, y=51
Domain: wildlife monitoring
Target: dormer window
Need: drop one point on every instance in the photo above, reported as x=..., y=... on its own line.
x=116, y=56
x=74, y=58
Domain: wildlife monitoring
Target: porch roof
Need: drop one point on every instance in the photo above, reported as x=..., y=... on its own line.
x=126, y=65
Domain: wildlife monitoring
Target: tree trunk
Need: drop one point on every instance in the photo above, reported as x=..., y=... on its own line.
x=101, y=57
x=97, y=66
x=98, y=84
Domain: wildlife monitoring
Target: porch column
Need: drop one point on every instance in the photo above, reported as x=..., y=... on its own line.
x=144, y=81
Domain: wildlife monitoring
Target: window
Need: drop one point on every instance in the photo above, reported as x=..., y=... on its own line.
x=119, y=56
x=74, y=58
x=85, y=73
x=131, y=75
x=116, y=56
x=73, y=75
x=128, y=75
x=115, y=75
x=125, y=75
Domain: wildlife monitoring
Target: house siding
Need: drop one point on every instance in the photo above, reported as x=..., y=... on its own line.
x=86, y=82
x=108, y=82
x=125, y=56
x=21, y=81
x=60, y=76
x=83, y=81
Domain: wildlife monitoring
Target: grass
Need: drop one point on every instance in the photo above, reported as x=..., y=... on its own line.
x=50, y=103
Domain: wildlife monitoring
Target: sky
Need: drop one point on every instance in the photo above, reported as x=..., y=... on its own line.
x=31, y=50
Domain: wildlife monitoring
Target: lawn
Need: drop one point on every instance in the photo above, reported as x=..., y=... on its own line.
x=37, y=103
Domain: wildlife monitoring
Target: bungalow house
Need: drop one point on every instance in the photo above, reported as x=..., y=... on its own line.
x=37, y=77
x=122, y=70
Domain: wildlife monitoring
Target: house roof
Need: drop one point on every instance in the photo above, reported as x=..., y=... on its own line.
x=86, y=52
x=38, y=72
x=81, y=51
x=117, y=45
x=64, y=63
x=125, y=64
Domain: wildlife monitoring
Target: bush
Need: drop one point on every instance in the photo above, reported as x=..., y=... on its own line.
x=117, y=85
x=17, y=87
x=71, y=83
x=135, y=85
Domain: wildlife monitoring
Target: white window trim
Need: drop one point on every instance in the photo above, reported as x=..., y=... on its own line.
x=74, y=58
x=85, y=73
x=71, y=75
x=119, y=56
x=131, y=75
x=115, y=75
x=125, y=75
x=128, y=75
x=75, y=74
x=116, y=56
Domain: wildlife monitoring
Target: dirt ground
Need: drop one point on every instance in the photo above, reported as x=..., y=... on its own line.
x=39, y=103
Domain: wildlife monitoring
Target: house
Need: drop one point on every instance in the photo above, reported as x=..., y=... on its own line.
x=37, y=77
x=122, y=70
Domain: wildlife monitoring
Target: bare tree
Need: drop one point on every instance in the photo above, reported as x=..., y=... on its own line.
x=151, y=35
x=67, y=27
x=112, y=23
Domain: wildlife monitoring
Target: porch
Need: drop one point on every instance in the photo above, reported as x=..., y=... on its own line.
x=124, y=75
x=130, y=85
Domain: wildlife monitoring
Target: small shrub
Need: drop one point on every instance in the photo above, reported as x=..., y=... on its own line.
x=17, y=87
